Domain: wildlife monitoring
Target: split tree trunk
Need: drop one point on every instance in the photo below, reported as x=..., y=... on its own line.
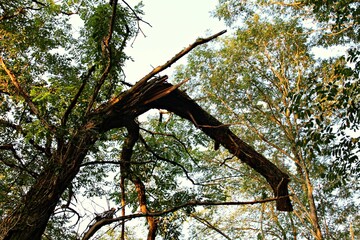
x=30, y=219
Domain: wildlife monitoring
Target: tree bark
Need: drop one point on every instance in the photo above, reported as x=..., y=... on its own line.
x=29, y=220
x=313, y=210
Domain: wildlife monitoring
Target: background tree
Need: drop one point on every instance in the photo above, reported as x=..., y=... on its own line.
x=295, y=108
x=69, y=120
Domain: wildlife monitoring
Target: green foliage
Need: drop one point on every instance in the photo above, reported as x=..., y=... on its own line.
x=53, y=63
x=262, y=79
x=342, y=16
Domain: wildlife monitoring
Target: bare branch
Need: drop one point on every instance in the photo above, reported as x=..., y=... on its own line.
x=78, y=94
x=142, y=82
x=135, y=14
x=138, y=19
x=179, y=55
x=209, y=225
x=194, y=203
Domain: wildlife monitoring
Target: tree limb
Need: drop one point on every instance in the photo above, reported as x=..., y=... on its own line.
x=209, y=225
x=141, y=97
x=193, y=203
x=179, y=55
x=106, y=41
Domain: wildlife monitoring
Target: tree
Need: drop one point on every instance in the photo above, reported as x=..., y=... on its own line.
x=294, y=107
x=65, y=98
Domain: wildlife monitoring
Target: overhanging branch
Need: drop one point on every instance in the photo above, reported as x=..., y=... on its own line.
x=182, y=105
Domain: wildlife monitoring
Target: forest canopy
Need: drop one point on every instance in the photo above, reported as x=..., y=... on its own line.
x=255, y=137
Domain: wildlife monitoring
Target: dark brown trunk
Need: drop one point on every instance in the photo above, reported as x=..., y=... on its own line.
x=29, y=220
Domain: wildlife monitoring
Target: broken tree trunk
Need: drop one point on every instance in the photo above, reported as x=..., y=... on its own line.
x=178, y=102
x=29, y=220
x=182, y=105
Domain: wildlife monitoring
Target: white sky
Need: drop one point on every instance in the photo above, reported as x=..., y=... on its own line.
x=175, y=25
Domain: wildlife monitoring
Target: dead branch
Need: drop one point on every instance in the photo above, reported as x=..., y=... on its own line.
x=182, y=53
x=182, y=105
x=194, y=203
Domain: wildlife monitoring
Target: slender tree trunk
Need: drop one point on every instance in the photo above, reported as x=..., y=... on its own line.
x=308, y=189
x=152, y=221
x=293, y=227
x=313, y=211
